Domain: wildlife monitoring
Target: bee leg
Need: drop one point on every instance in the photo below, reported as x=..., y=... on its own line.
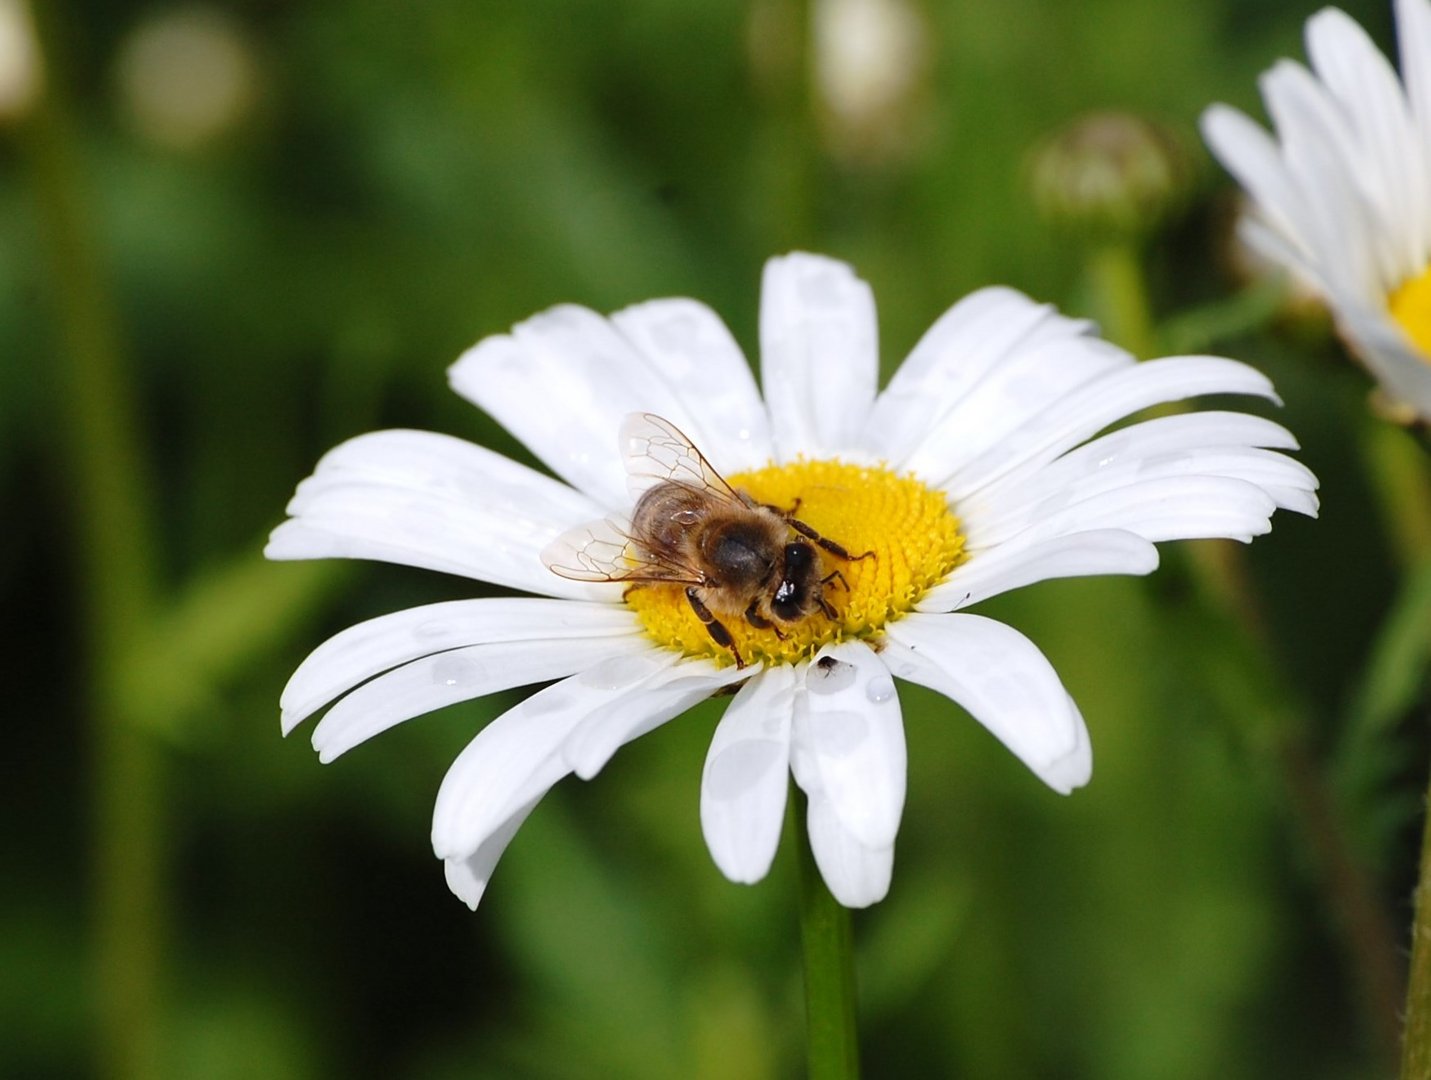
x=782, y=512
x=829, y=579
x=829, y=545
x=759, y=621
x=718, y=633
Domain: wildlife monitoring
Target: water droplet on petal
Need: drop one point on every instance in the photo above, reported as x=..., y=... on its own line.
x=429, y=629
x=879, y=689
x=455, y=670
x=617, y=671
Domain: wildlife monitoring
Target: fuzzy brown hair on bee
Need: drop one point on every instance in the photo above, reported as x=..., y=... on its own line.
x=737, y=558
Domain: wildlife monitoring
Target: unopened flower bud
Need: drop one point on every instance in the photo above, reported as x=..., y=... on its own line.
x=20, y=68
x=1113, y=174
x=186, y=76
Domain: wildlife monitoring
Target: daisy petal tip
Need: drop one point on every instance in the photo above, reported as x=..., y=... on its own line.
x=464, y=885
x=1328, y=24
x=1073, y=769
x=279, y=547
x=1070, y=773
x=857, y=891
x=737, y=868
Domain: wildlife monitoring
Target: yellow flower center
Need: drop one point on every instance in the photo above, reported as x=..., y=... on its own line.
x=910, y=529
x=1411, y=308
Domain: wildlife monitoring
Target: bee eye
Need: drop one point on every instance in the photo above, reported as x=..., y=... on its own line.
x=685, y=517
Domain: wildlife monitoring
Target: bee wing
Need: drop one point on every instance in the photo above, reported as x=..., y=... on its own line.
x=604, y=551
x=655, y=451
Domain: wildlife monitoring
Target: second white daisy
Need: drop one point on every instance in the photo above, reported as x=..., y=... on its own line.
x=1343, y=194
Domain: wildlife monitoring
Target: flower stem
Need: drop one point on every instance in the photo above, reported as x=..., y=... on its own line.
x=1368, y=936
x=1120, y=297
x=112, y=530
x=828, y=943
x=1416, y=1039
x=1399, y=475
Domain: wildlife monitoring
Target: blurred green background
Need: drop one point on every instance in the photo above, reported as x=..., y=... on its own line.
x=298, y=213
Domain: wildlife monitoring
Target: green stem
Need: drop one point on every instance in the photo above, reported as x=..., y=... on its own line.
x=1397, y=466
x=1121, y=298
x=1416, y=1040
x=1368, y=936
x=828, y=943
x=111, y=525
x=789, y=153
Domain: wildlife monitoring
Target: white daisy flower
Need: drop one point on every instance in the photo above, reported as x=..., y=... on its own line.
x=970, y=474
x=1343, y=194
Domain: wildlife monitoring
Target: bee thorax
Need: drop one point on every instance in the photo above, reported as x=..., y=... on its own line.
x=741, y=554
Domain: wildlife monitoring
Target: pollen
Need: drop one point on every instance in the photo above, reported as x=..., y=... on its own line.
x=909, y=528
x=1410, y=307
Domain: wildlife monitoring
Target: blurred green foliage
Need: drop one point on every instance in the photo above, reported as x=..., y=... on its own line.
x=408, y=178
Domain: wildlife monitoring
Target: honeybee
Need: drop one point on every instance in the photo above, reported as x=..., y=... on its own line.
x=737, y=558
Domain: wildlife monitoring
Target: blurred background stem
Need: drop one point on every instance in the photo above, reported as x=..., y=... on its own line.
x=111, y=500
x=832, y=1039
x=1120, y=297
x=1369, y=937
x=1416, y=1040
x=1397, y=464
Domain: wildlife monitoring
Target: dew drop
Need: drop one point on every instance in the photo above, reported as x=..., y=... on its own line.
x=879, y=689
x=830, y=676
x=455, y=670
x=616, y=672
x=431, y=629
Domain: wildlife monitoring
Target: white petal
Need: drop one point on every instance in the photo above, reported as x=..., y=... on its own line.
x=819, y=354
x=1016, y=564
x=372, y=647
x=1413, y=30
x=1206, y=428
x=746, y=776
x=1102, y=401
x=561, y=382
x=1079, y=478
x=848, y=741
x=856, y=874
x=697, y=358
x=1390, y=164
x=510, y=764
x=1217, y=441
x=666, y=692
x=468, y=877
x=1352, y=247
x=1403, y=370
x=1004, y=682
x=434, y=682
x=1171, y=508
x=1049, y=363
x=518, y=755
x=421, y=499
x=953, y=356
x=1251, y=155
